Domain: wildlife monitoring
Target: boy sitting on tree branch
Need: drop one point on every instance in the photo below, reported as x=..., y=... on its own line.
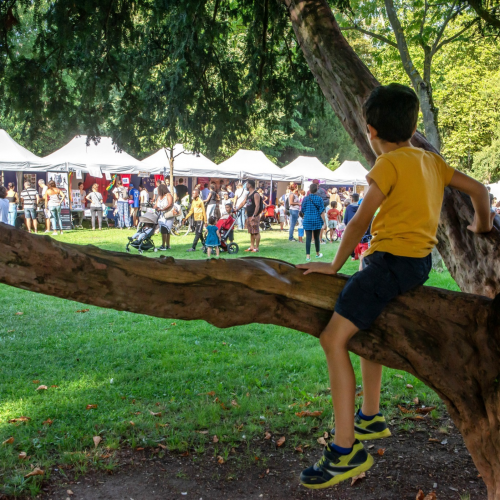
x=407, y=184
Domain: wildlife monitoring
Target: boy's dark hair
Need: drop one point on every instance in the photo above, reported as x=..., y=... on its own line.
x=355, y=197
x=333, y=204
x=251, y=182
x=392, y=110
x=212, y=220
x=313, y=188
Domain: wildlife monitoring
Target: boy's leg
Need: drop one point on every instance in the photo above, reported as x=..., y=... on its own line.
x=372, y=380
x=334, y=339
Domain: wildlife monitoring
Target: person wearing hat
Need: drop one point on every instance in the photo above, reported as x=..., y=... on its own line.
x=135, y=202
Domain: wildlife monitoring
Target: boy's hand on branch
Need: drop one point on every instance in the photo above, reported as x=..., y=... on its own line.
x=318, y=267
x=480, y=227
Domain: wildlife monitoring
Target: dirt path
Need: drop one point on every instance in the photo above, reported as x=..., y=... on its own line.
x=410, y=462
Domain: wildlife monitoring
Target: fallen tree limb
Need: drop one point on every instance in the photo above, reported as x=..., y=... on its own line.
x=450, y=341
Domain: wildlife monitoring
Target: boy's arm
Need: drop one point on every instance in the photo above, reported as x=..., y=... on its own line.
x=353, y=233
x=483, y=216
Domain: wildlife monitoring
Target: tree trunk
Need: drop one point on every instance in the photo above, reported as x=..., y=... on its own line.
x=474, y=261
x=450, y=341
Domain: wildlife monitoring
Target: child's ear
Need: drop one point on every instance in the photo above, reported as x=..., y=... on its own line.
x=372, y=133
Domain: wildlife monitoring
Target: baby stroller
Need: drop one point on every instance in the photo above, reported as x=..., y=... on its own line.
x=225, y=227
x=142, y=240
x=268, y=217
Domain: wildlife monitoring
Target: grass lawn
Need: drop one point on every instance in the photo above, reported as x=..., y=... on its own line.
x=199, y=380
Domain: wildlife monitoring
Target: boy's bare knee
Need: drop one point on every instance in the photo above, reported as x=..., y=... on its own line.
x=331, y=342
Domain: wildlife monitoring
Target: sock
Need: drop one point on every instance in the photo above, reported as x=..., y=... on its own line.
x=342, y=451
x=366, y=417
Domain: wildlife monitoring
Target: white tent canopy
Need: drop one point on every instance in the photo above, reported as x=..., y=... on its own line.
x=350, y=173
x=309, y=167
x=185, y=163
x=94, y=158
x=254, y=165
x=14, y=157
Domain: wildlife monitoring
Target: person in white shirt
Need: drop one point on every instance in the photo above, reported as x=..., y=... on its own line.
x=240, y=196
x=144, y=198
x=282, y=215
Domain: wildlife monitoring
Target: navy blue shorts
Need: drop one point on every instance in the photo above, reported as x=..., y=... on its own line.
x=384, y=276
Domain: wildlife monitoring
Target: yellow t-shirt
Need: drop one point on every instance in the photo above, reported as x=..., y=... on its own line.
x=413, y=181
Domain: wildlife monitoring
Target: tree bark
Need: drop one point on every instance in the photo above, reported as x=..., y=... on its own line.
x=450, y=341
x=474, y=261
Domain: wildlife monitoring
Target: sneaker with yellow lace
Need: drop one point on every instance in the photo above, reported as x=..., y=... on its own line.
x=336, y=465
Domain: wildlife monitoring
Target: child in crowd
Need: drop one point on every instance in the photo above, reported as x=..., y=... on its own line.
x=144, y=231
x=213, y=237
x=300, y=228
x=225, y=222
x=333, y=218
x=281, y=213
x=398, y=260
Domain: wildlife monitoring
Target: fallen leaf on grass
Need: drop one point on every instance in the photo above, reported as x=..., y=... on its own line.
x=9, y=441
x=91, y=407
x=359, y=394
x=131, y=423
x=173, y=324
x=49, y=421
x=281, y=441
x=299, y=449
x=322, y=441
x=41, y=388
x=308, y=413
x=54, y=386
x=430, y=496
x=398, y=375
x=416, y=401
x=426, y=410
x=234, y=403
x=215, y=439
x=211, y=393
x=433, y=440
x=139, y=449
x=19, y=313
x=22, y=455
x=248, y=394
x=158, y=414
x=97, y=440
x=268, y=435
x=202, y=432
x=405, y=410
x=185, y=454
x=381, y=452
x=69, y=492
x=355, y=479
x=83, y=310
x=162, y=446
x=35, y=381
x=35, y=472
x=136, y=412
x=220, y=459
x=19, y=419
x=10, y=331
x=409, y=386
x=420, y=495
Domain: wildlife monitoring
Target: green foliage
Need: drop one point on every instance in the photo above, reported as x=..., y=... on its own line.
x=487, y=161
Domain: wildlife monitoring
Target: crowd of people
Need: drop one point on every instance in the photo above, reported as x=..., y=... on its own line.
x=316, y=214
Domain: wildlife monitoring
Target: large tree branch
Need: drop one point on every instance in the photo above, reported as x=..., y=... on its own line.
x=371, y=34
x=486, y=15
x=411, y=70
x=456, y=35
x=449, y=340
